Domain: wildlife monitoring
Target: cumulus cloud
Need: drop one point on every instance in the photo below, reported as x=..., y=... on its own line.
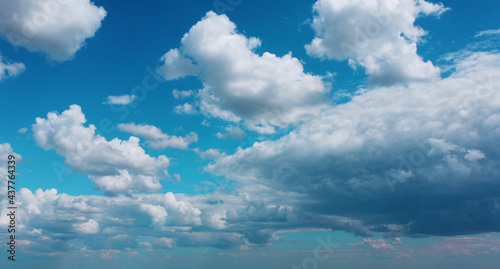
x=263, y=90
x=176, y=65
x=57, y=27
x=411, y=146
x=122, y=100
x=156, y=139
x=116, y=165
x=10, y=69
x=378, y=35
x=186, y=108
x=89, y=227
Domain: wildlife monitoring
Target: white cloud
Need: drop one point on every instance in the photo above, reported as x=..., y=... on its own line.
x=182, y=94
x=56, y=27
x=124, y=182
x=177, y=178
x=378, y=35
x=113, y=165
x=158, y=213
x=176, y=65
x=488, y=32
x=22, y=130
x=89, y=227
x=210, y=154
x=233, y=132
x=10, y=69
x=474, y=155
x=186, y=108
x=120, y=99
x=263, y=90
x=387, y=144
x=156, y=139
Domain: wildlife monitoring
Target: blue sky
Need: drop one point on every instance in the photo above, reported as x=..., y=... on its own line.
x=224, y=134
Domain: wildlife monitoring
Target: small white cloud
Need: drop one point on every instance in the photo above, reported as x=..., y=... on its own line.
x=182, y=94
x=120, y=99
x=185, y=109
x=22, y=130
x=210, y=154
x=474, y=155
x=156, y=139
x=233, y=132
x=10, y=69
x=177, y=178
x=206, y=123
x=488, y=32
x=89, y=227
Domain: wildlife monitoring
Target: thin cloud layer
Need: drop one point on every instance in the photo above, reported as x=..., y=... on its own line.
x=58, y=28
x=115, y=166
x=265, y=91
x=378, y=35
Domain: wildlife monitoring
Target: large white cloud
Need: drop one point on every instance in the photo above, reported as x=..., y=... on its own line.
x=378, y=35
x=411, y=146
x=56, y=27
x=115, y=166
x=10, y=69
x=263, y=90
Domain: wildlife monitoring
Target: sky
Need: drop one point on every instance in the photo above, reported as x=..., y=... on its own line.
x=251, y=134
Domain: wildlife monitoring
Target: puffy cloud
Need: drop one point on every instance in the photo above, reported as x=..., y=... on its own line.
x=176, y=65
x=56, y=27
x=116, y=165
x=186, y=108
x=264, y=90
x=412, y=146
x=378, y=35
x=10, y=69
x=122, y=100
x=158, y=213
x=89, y=227
x=156, y=139
x=125, y=182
